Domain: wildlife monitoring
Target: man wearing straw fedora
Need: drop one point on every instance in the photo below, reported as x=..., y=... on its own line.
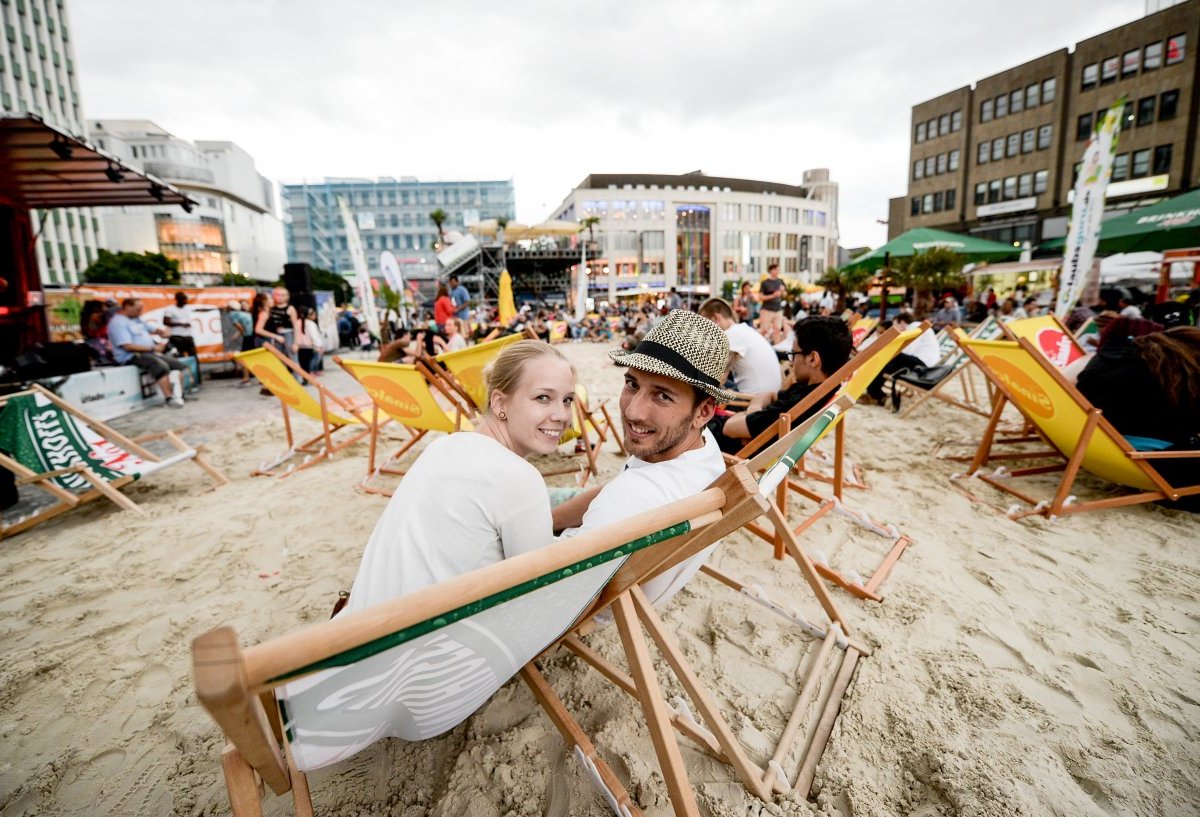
x=672, y=389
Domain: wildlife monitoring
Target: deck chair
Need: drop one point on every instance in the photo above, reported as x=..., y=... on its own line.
x=558, y=331
x=337, y=415
x=588, y=422
x=960, y=373
x=404, y=393
x=1049, y=336
x=1080, y=435
x=48, y=443
x=461, y=372
x=861, y=328
x=416, y=666
x=850, y=382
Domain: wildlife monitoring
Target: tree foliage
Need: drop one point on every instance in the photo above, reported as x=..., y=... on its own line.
x=325, y=281
x=933, y=271
x=236, y=279
x=843, y=282
x=139, y=269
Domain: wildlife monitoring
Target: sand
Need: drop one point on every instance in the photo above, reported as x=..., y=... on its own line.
x=1030, y=667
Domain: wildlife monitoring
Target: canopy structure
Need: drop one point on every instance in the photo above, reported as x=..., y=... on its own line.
x=514, y=231
x=1169, y=225
x=920, y=239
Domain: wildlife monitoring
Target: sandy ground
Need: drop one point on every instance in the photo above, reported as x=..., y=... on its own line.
x=1030, y=668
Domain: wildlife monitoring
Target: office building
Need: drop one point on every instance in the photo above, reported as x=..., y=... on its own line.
x=998, y=159
x=37, y=76
x=234, y=228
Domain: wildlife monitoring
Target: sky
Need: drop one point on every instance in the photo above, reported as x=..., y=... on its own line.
x=544, y=92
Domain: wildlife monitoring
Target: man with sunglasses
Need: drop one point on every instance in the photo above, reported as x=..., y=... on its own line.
x=822, y=346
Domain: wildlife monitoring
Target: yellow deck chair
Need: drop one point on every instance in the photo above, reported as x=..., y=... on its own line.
x=1049, y=336
x=972, y=399
x=849, y=383
x=558, y=331
x=405, y=393
x=587, y=421
x=1025, y=377
x=462, y=371
x=335, y=414
x=861, y=328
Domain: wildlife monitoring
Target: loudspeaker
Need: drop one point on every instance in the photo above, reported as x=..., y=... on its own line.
x=54, y=360
x=297, y=278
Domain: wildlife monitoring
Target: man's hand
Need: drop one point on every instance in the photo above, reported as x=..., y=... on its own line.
x=570, y=513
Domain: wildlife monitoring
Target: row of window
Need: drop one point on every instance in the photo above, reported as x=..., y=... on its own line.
x=936, y=165
x=1039, y=93
x=1142, y=163
x=1166, y=103
x=939, y=126
x=774, y=215
x=932, y=202
x=1011, y=187
x=1002, y=147
x=1150, y=58
x=732, y=240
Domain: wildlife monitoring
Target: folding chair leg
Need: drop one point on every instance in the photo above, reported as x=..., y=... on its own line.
x=812, y=678
x=679, y=788
x=833, y=705
x=245, y=793
x=806, y=567
x=104, y=487
x=301, y=797
x=614, y=430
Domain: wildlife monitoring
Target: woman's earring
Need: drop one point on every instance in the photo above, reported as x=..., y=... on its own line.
x=502, y=415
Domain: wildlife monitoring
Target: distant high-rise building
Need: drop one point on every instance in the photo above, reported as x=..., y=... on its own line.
x=998, y=159
x=37, y=75
x=234, y=227
x=391, y=214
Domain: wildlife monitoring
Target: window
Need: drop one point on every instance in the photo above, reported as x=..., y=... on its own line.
x=941, y=163
x=980, y=193
x=985, y=107
x=985, y=153
x=775, y=214
x=753, y=212
x=927, y=203
x=1016, y=102
x=937, y=201
x=1014, y=144
x=1083, y=128
x=929, y=165
x=1162, y=160
x=954, y=160
x=1130, y=62
x=1176, y=48
x=1010, y=188
x=793, y=215
x=1153, y=56
x=1145, y=110
x=956, y=121
x=950, y=199
x=993, y=191
x=944, y=124
x=920, y=131
x=1002, y=106
x=1091, y=75
x=1028, y=139
x=1168, y=103
x=1108, y=69
x=1045, y=134
x=1033, y=96
x=1049, y=87
x=1127, y=116
x=1039, y=181
x=1141, y=164
x=791, y=241
x=1025, y=185
x=997, y=148
x=1120, y=167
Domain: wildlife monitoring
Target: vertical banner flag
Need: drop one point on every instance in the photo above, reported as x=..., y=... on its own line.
x=390, y=268
x=362, y=278
x=1087, y=209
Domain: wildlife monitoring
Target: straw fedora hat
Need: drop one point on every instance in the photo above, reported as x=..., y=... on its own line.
x=685, y=347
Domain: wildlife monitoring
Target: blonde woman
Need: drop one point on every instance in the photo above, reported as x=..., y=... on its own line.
x=471, y=499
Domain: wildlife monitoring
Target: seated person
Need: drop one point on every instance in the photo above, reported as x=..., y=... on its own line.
x=822, y=345
x=133, y=342
x=471, y=499
x=923, y=351
x=454, y=339
x=752, y=361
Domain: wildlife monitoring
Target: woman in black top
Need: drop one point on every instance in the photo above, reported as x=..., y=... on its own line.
x=280, y=324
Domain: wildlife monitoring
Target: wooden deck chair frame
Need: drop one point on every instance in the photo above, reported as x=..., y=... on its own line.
x=971, y=401
x=588, y=420
x=389, y=464
x=1051, y=321
x=869, y=589
x=1072, y=457
x=234, y=684
x=322, y=446
x=450, y=381
x=108, y=489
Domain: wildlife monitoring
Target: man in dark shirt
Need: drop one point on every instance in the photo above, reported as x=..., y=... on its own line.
x=770, y=295
x=822, y=346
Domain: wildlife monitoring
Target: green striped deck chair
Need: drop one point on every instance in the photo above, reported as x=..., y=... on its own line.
x=972, y=399
x=417, y=666
x=48, y=443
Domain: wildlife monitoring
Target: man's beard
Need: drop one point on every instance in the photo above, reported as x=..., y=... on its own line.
x=665, y=440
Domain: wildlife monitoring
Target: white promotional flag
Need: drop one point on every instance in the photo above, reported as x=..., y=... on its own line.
x=362, y=278
x=1087, y=209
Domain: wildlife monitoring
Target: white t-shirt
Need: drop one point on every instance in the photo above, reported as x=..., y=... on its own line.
x=643, y=486
x=756, y=368
x=466, y=502
x=925, y=348
x=455, y=343
x=1131, y=311
x=179, y=314
x=313, y=338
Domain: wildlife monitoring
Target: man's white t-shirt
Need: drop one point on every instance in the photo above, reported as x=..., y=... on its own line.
x=756, y=367
x=643, y=486
x=1131, y=311
x=178, y=315
x=456, y=343
x=925, y=348
x=466, y=502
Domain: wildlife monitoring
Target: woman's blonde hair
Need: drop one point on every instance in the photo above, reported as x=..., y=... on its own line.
x=504, y=373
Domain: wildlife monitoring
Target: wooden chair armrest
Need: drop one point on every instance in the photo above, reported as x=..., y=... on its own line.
x=1163, y=455
x=60, y=472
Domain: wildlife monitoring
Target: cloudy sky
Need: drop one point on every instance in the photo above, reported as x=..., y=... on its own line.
x=546, y=91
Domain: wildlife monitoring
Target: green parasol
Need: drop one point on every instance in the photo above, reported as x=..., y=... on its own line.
x=919, y=239
x=1168, y=225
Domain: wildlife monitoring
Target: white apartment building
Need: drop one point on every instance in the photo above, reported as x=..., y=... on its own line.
x=235, y=228
x=37, y=76
x=695, y=232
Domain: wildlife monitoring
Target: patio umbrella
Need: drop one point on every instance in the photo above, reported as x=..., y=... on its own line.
x=1168, y=225
x=919, y=239
x=507, y=308
x=555, y=227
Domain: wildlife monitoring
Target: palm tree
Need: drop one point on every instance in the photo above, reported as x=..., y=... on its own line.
x=843, y=282
x=589, y=224
x=930, y=272
x=438, y=217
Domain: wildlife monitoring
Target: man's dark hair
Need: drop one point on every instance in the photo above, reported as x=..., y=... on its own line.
x=906, y=317
x=127, y=302
x=181, y=297
x=773, y=266
x=716, y=306
x=453, y=278
x=827, y=336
